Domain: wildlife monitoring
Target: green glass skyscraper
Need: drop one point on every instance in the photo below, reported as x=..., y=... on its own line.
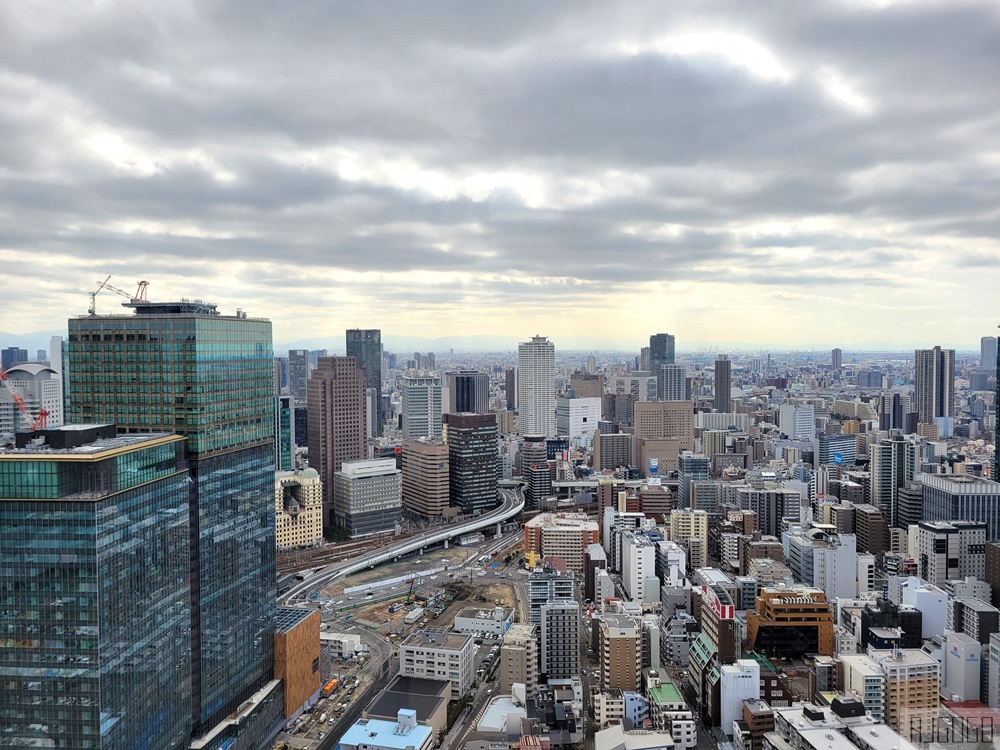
x=182, y=368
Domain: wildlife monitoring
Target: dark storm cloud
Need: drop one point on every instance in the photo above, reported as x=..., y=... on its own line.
x=509, y=144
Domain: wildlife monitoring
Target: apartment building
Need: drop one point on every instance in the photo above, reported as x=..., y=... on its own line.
x=519, y=660
x=562, y=535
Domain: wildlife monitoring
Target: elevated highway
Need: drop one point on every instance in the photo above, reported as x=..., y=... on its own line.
x=512, y=504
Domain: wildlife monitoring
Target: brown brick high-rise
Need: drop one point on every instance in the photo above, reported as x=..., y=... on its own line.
x=337, y=414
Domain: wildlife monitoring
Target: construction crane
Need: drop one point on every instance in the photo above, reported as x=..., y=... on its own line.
x=139, y=296
x=37, y=423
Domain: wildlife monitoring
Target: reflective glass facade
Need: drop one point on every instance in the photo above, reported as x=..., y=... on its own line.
x=95, y=605
x=180, y=368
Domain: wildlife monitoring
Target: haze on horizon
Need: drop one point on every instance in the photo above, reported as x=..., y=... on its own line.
x=801, y=174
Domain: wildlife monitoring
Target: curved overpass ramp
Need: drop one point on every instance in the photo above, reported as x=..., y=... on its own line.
x=512, y=504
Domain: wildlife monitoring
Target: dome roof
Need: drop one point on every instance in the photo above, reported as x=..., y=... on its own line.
x=310, y=474
x=31, y=368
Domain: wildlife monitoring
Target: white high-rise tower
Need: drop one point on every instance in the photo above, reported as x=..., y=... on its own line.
x=536, y=374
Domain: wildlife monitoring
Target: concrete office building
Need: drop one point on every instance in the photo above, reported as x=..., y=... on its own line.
x=639, y=567
x=771, y=506
x=191, y=362
x=559, y=628
x=613, y=451
x=670, y=421
x=687, y=525
x=421, y=406
x=864, y=679
x=798, y=422
x=738, y=682
x=893, y=464
x=577, y=418
x=365, y=345
x=934, y=383
x=562, y=535
x=519, y=660
x=337, y=415
x=473, y=449
x=435, y=653
x=586, y=385
x=675, y=383
x=468, y=391
x=723, y=383
x=962, y=496
x=948, y=551
x=791, y=621
x=536, y=372
x=368, y=497
x=426, y=472
x=640, y=385
x=620, y=652
x=298, y=509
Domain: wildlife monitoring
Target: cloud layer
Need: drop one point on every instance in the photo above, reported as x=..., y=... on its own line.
x=804, y=173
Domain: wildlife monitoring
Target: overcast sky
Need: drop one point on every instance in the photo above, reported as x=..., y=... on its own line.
x=782, y=172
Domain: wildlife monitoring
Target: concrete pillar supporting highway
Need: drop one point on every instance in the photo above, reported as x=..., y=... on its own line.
x=446, y=544
x=498, y=528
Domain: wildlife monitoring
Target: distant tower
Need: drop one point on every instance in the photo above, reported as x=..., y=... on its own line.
x=987, y=351
x=723, y=384
x=934, y=383
x=836, y=359
x=536, y=398
x=365, y=345
x=996, y=433
x=661, y=352
x=298, y=374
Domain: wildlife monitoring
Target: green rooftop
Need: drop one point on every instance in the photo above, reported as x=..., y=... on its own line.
x=665, y=693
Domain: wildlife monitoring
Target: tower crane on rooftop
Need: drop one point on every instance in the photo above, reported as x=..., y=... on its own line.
x=139, y=296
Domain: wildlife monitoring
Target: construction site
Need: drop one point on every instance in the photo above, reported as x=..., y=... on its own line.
x=416, y=592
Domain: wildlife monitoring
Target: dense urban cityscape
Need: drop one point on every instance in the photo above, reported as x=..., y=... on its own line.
x=208, y=544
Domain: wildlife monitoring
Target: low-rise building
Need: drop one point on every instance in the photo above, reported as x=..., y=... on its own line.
x=494, y=621
x=436, y=653
x=376, y=734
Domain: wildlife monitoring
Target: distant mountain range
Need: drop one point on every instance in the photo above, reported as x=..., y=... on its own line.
x=504, y=344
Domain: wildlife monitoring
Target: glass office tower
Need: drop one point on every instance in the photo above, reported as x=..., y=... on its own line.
x=365, y=345
x=183, y=368
x=95, y=605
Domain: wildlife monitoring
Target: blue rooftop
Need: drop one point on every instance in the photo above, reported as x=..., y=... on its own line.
x=395, y=735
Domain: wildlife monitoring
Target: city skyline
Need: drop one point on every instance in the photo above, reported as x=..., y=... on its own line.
x=510, y=169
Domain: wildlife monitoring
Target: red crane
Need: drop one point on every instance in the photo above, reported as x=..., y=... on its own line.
x=37, y=423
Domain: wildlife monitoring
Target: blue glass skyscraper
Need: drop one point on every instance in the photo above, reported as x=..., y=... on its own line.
x=95, y=594
x=183, y=368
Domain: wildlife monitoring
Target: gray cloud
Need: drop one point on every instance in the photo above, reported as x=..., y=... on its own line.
x=557, y=152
